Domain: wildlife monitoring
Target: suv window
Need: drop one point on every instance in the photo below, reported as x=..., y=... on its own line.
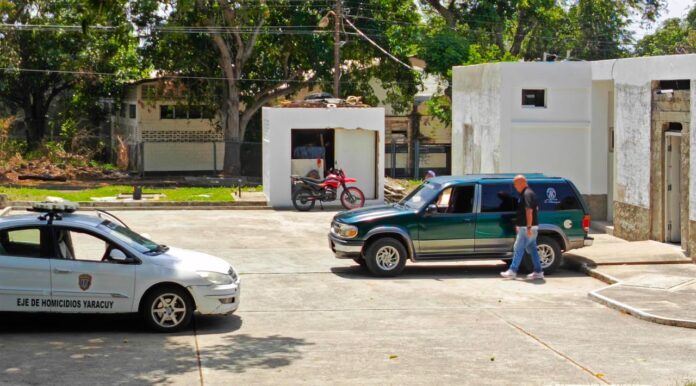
x=498, y=198
x=457, y=199
x=24, y=242
x=553, y=196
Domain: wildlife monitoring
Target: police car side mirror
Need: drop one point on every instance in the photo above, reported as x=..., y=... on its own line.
x=118, y=255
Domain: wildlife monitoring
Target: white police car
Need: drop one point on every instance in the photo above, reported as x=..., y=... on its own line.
x=59, y=261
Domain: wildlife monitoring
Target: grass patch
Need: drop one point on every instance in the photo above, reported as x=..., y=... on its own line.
x=172, y=194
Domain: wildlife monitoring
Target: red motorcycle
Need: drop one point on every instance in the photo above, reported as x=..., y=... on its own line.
x=307, y=191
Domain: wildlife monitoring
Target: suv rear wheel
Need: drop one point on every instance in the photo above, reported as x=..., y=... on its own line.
x=549, y=254
x=386, y=257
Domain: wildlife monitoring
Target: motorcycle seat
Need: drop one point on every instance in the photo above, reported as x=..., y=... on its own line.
x=312, y=180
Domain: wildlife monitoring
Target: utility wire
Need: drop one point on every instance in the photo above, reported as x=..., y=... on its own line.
x=188, y=77
x=377, y=45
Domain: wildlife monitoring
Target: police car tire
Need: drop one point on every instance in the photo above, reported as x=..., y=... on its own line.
x=386, y=245
x=154, y=296
x=558, y=256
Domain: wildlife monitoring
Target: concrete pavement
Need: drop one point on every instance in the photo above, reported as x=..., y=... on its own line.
x=306, y=317
x=653, y=281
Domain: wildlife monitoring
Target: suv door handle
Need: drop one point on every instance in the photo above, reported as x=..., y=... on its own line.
x=58, y=270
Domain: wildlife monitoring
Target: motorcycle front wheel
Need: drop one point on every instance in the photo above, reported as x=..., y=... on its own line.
x=352, y=198
x=303, y=199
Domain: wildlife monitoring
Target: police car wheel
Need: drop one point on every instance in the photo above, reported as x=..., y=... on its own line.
x=167, y=309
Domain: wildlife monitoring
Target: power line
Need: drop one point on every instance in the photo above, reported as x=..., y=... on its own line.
x=187, y=77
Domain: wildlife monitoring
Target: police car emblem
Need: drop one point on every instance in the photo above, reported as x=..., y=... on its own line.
x=85, y=281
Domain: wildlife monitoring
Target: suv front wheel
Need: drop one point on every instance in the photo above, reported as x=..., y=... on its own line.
x=386, y=257
x=549, y=254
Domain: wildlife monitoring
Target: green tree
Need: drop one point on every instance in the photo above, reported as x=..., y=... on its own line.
x=51, y=48
x=675, y=36
x=261, y=50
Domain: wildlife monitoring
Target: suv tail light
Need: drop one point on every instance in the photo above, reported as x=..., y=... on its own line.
x=586, y=223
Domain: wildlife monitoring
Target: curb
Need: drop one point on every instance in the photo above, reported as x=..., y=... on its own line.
x=625, y=308
x=640, y=314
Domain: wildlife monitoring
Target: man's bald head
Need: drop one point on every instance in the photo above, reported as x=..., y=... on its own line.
x=520, y=182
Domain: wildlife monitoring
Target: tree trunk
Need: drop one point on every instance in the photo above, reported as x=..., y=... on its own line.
x=232, y=162
x=35, y=119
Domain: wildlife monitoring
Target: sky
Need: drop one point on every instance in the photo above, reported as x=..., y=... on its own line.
x=675, y=8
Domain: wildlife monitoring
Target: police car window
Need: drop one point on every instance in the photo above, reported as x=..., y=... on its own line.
x=129, y=237
x=21, y=243
x=75, y=245
x=556, y=196
x=497, y=198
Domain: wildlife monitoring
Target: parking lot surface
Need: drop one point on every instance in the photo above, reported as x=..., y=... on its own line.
x=306, y=317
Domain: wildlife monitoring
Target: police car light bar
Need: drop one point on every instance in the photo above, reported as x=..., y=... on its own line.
x=55, y=207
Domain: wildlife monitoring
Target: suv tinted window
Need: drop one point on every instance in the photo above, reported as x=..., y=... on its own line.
x=498, y=197
x=553, y=196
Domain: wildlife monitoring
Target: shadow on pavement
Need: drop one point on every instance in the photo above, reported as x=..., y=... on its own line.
x=447, y=271
x=11, y=323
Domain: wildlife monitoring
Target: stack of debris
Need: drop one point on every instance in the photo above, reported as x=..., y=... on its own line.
x=323, y=100
x=393, y=192
x=18, y=169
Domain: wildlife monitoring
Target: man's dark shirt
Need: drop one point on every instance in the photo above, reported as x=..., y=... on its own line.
x=527, y=199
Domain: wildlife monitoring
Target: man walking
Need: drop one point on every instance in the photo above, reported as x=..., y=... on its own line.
x=527, y=225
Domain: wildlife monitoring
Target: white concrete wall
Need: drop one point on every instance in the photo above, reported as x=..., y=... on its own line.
x=182, y=156
x=555, y=139
x=277, y=128
x=508, y=137
x=476, y=101
x=692, y=155
x=632, y=82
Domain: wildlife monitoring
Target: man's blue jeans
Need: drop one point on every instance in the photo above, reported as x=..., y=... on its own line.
x=523, y=244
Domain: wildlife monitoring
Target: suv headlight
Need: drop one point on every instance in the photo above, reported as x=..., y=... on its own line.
x=345, y=230
x=216, y=277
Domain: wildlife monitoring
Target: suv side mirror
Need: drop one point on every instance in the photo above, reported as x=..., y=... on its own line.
x=430, y=209
x=118, y=255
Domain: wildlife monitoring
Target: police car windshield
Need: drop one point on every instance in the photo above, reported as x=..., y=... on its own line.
x=421, y=196
x=134, y=240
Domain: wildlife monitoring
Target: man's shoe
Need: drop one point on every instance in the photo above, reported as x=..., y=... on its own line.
x=535, y=276
x=509, y=274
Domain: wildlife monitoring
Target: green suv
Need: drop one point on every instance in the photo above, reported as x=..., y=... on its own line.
x=461, y=218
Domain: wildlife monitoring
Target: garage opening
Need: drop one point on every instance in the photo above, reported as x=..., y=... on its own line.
x=315, y=151
x=312, y=152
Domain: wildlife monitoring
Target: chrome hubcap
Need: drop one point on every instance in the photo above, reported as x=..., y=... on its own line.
x=387, y=258
x=546, y=255
x=168, y=310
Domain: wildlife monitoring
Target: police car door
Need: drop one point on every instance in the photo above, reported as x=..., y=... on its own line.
x=84, y=278
x=25, y=281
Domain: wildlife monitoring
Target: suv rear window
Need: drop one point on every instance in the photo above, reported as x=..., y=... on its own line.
x=553, y=196
x=498, y=198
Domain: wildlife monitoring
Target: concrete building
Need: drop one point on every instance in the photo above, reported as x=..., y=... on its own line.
x=162, y=133
x=620, y=129
x=299, y=140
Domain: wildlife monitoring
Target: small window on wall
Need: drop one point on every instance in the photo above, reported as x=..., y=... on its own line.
x=166, y=112
x=180, y=112
x=131, y=111
x=533, y=98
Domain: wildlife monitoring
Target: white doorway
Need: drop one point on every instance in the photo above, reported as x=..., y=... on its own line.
x=356, y=154
x=672, y=186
